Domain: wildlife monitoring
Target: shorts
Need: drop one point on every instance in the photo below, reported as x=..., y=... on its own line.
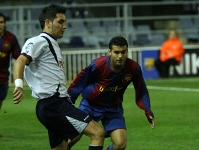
x=112, y=118
x=62, y=119
x=4, y=91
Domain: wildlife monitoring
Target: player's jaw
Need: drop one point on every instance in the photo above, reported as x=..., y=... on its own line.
x=61, y=34
x=119, y=62
x=61, y=31
x=58, y=34
x=2, y=28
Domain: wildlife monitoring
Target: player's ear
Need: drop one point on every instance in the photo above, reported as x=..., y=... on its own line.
x=109, y=51
x=47, y=23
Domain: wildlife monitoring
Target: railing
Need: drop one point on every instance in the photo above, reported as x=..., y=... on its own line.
x=24, y=23
x=75, y=61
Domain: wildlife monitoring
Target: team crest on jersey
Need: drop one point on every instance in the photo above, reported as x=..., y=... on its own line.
x=2, y=54
x=6, y=46
x=127, y=78
x=29, y=47
x=149, y=63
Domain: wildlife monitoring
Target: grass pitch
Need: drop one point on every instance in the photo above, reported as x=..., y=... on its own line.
x=174, y=103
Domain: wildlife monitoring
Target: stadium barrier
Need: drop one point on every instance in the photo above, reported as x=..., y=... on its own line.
x=23, y=21
x=76, y=60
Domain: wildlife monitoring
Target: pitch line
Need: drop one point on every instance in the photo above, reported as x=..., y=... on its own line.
x=172, y=89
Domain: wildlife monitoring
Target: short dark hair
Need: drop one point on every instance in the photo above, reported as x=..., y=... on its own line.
x=2, y=15
x=118, y=41
x=50, y=13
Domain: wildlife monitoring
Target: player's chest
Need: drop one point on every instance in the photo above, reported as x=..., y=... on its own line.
x=112, y=78
x=5, y=45
x=5, y=48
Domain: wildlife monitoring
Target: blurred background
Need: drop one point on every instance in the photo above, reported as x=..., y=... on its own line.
x=92, y=23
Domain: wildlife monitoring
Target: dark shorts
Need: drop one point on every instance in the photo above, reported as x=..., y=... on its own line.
x=112, y=118
x=62, y=119
x=3, y=91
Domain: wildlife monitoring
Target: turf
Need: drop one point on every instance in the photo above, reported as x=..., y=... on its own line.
x=174, y=102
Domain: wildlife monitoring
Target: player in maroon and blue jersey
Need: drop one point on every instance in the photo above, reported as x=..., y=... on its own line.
x=102, y=85
x=9, y=47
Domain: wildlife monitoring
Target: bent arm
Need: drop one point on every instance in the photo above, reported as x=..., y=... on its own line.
x=79, y=84
x=19, y=66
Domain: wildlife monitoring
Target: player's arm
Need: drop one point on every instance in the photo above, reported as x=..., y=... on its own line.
x=142, y=95
x=16, y=49
x=80, y=83
x=19, y=66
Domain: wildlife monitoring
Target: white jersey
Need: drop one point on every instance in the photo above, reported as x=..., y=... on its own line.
x=43, y=74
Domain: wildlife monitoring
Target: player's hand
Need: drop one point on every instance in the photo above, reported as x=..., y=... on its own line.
x=151, y=120
x=18, y=95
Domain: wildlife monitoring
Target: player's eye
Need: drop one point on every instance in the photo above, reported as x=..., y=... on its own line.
x=61, y=21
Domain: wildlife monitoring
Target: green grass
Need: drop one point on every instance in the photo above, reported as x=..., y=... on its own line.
x=176, y=116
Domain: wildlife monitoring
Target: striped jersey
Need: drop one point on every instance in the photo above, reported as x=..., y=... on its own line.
x=101, y=86
x=9, y=48
x=43, y=74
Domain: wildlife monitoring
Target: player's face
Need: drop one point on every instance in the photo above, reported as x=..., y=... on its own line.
x=2, y=26
x=118, y=56
x=58, y=26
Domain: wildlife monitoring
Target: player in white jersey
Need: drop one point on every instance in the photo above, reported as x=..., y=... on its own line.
x=42, y=64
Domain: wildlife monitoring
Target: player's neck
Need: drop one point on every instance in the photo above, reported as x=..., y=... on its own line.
x=116, y=68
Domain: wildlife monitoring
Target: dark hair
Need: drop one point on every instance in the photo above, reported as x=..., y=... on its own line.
x=118, y=41
x=2, y=15
x=50, y=13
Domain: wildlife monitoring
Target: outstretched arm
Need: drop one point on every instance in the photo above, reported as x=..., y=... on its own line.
x=18, y=77
x=142, y=96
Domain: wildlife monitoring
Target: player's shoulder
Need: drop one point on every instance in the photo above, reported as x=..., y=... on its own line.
x=98, y=63
x=100, y=60
x=36, y=40
x=131, y=61
x=9, y=34
x=132, y=64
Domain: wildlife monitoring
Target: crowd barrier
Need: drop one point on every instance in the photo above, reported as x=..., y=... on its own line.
x=76, y=60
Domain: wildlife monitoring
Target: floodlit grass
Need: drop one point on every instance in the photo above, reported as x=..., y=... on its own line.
x=176, y=116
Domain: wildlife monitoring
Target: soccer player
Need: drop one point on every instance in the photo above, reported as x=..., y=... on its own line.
x=42, y=64
x=103, y=84
x=9, y=47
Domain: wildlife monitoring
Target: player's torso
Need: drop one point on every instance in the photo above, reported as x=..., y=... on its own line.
x=110, y=86
x=5, y=53
x=5, y=50
x=44, y=73
x=106, y=77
